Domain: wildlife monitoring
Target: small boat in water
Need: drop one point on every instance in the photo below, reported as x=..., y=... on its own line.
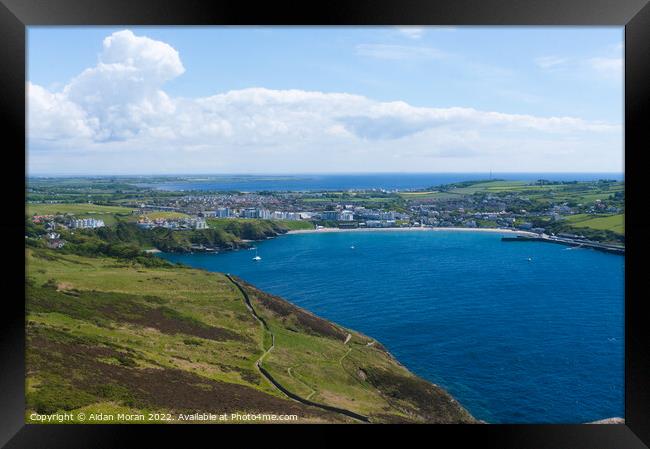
x=257, y=257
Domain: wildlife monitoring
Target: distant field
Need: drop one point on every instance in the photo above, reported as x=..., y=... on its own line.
x=110, y=214
x=500, y=184
x=493, y=186
x=583, y=192
x=429, y=195
x=75, y=209
x=417, y=194
x=165, y=215
x=614, y=223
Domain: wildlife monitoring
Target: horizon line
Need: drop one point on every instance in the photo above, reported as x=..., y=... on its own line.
x=487, y=173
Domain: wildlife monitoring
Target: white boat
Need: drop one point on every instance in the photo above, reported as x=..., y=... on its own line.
x=256, y=258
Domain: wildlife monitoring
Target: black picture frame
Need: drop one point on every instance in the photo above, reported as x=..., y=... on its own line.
x=16, y=15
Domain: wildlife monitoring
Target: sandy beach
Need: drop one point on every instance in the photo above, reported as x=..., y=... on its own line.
x=413, y=229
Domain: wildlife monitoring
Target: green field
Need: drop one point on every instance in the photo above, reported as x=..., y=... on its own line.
x=578, y=193
x=429, y=195
x=295, y=225
x=466, y=189
x=258, y=224
x=111, y=335
x=490, y=186
x=164, y=215
x=74, y=209
x=614, y=223
x=110, y=214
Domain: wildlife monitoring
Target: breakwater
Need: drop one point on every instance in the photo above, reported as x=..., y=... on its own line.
x=578, y=243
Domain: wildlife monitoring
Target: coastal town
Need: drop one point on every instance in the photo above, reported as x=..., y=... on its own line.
x=577, y=213
x=113, y=258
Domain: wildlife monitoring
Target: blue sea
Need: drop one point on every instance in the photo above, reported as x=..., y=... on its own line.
x=514, y=340
x=389, y=181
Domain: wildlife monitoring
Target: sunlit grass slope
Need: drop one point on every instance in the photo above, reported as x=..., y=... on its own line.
x=107, y=335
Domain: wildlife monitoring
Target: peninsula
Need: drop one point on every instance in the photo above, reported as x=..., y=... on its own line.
x=141, y=337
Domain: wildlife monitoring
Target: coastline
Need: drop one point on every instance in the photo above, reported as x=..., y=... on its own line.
x=510, y=232
x=248, y=243
x=412, y=229
x=448, y=407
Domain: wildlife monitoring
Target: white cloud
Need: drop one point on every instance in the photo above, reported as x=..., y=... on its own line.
x=123, y=91
x=52, y=116
x=155, y=59
x=116, y=117
x=412, y=32
x=395, y=120
x=608, y=67
x=386, y=51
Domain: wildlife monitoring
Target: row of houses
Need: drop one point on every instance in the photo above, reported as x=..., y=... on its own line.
x=266, y=214
x=86, y=223
x=361, y=213
x=222, y=212
x=179, y=223
x=380, y=223
x=335, y=215
x=74, y=223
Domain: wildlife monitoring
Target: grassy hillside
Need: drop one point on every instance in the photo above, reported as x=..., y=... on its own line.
x=333, y=365
x=74, y=209
x=295, y=225
x=256, y=229
x=110, y=214
x=113, y=336
x=614, y=223
x=127, y=240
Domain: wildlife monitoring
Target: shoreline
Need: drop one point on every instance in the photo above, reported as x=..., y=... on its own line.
x=411, y=229
x=248, y=244
x=511, y=232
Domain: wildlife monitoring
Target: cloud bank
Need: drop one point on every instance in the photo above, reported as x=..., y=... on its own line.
x=116, y=117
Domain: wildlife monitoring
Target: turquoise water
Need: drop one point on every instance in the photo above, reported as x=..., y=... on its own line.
x=514, y=340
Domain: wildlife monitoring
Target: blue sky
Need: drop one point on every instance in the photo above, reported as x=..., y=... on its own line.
x=417, y=99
